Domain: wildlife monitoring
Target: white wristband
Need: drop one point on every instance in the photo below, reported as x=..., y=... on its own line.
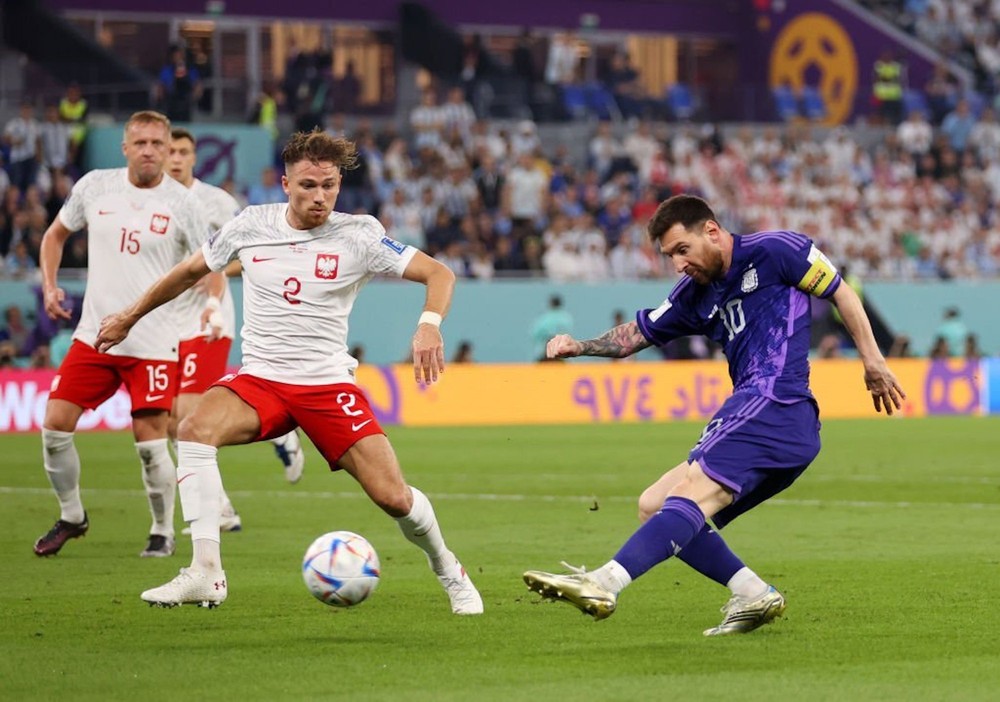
x=430, y=318
x=213, y=302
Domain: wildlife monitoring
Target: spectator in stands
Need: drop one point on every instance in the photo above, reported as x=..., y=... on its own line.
x=268, y=190
x=525, y=139
x=453, y=256
x=480, y=262
x=524, y=65
x=953, y=331
x=21, y=135
x=623, y=82
x=889, y=82
x=55, y=141
x=985, y=136
x=526, y=194
x=427, y=121
x=463, y=354
x=489, y=182
x=265, y=109
x=941, y=90
x=915, y=134
x=471, y=69
x=564, y=56
x=957, y=125
x=17, y=332
x=555, y=320
x=19, y=263
x=179, y=86
x=73, y=110
x=972, y=350
x=457, y=114
x=594, y=265
x=604, y=149
x=401, y=219
x=347, y=90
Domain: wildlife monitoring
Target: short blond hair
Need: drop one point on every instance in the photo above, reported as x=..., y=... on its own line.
x=146, y=117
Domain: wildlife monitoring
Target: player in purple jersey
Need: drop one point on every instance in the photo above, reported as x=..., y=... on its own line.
x=750, y=294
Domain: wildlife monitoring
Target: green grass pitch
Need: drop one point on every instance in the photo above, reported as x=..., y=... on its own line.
x=886, y=549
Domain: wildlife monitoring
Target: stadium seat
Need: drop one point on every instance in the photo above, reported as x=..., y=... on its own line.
x=915, y=100
x=813, y=104
x=574, y=100
x=680, y=101
x=785, y=103
x=600, y=102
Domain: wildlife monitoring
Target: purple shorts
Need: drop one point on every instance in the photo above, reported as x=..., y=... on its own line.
x=756, y=447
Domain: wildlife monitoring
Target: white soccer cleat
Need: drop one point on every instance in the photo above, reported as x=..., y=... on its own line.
x=189, y=587
x=290, y=453
x=464, y=596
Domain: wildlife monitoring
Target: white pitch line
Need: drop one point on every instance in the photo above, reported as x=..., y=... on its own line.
x=496, y=497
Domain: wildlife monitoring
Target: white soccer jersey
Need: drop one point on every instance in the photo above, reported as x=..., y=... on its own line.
x=134, y=236
x=218, y=207
x=299, y=287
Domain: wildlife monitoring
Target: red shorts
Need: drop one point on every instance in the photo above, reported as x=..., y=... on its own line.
x=87, y=378
x=335, y=416
x=201, y=363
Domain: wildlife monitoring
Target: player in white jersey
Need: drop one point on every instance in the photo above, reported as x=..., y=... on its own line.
x=140, y=224
x=303, y=266
x=204, y=348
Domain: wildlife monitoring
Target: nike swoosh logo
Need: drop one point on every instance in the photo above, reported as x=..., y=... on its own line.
x=185, y=383
x=105, y=212
x=181, y=480
x=257, y=259
x=154, y=398
x=357, y=427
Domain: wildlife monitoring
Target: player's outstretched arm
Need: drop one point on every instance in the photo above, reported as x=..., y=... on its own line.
x=50, y=256
x=428, y=344
x=880, y=381
x=619, y=342
x=115, y=327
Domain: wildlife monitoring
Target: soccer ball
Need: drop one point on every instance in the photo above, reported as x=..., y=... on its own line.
x=341, y=569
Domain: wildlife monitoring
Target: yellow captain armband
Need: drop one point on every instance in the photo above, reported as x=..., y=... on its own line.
x=820, y=274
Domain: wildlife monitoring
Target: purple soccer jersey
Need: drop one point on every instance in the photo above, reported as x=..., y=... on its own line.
x=760, y=312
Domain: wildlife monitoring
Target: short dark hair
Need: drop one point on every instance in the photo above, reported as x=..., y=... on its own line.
x=687, y=210
x=181, y=133
x=318, y=146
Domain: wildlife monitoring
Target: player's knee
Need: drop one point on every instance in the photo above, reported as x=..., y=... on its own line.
x=190, y=429
x=396, y=502
x=650, y=503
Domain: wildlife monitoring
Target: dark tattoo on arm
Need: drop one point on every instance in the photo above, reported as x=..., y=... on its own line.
x=624, y=340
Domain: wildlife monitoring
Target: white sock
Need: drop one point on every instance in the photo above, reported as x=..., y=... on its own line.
x=227, y=504
x=201, y=489
x=746, y=583
x=612, y=576
x=62, y=466
x=420, y=527
x=161, y=484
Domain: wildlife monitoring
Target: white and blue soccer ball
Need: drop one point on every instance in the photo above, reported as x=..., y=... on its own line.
x=341, y=569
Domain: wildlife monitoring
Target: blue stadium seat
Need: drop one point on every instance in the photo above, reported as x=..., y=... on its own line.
x=574, y=100
x=786, y=105
x=813, y=104
x=600, y=102
x=915, y=100
x=680, y=101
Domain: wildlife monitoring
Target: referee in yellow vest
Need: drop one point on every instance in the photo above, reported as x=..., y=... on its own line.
x=888, y=87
